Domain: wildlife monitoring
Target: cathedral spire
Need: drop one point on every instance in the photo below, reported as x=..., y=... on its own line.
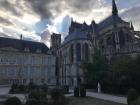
x=114, y=8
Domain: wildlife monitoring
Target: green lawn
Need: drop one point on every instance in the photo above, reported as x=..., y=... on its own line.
x=89, y=101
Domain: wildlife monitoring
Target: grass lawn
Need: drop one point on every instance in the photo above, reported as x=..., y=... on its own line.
x=89, y=101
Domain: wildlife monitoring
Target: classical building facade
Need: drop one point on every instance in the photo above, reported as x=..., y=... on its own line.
x=113, y=36
x=25, y=61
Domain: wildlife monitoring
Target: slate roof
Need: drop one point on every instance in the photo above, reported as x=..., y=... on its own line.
x=77, y=34
x=113, y=19
x=22, y=44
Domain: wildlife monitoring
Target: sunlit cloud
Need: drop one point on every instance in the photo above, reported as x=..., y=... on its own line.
x=22, y=16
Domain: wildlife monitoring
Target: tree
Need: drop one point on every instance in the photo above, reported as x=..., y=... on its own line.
x=123, y=74
x=96, y=69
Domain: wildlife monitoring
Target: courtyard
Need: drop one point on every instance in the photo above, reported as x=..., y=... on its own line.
x=90, y=101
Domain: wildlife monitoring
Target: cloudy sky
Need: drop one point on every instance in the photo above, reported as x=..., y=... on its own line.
x=37, y=19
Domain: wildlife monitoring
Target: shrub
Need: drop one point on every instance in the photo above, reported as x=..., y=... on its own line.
x=58, y=97
x=32, y=102
x=13, y=88
x=31, y=86
x=76, y=92
x=34, y=94
x=44, y=88
x=12, y=101
x=138, y=102
x=66, y=89
x=21, y=88
x=132, y=96
x=82, y=91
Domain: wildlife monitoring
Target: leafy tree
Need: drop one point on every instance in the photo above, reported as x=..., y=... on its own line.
x=123, y=74
x=96, y=69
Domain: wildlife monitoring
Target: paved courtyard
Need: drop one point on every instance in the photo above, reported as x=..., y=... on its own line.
x=89, y=101
x=107, y=97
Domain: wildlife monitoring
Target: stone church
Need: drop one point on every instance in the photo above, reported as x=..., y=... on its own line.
x=113, y=36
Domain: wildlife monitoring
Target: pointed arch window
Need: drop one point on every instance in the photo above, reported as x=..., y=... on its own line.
x=71, y=53
x=86, y=52
x=78, y=52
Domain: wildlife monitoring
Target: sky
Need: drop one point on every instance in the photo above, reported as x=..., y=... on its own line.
x=36, y=20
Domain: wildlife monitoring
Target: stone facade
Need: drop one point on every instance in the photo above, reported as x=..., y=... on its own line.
x=25, y=61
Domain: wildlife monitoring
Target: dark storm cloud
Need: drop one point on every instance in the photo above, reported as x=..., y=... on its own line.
x=5, y=21
x=41, y=7
x=47, y=8
x=81, y=5
x=8, y=7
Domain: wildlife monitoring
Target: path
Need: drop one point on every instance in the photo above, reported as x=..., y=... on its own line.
x=107, y=97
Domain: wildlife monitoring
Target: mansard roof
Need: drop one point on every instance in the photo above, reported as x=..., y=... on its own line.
x=22, y=44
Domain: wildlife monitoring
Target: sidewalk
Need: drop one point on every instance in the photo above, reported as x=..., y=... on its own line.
x=107, y=97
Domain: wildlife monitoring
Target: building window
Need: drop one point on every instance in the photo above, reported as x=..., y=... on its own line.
x=78, y=52
x=38, y=51
x=32, y=60
x=86, y=52
x=26, y=49
x=71, y=53
x=43, y=72
x=121, y=38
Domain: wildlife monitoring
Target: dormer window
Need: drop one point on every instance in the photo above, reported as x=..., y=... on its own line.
x=38, y=51
x=26, y=49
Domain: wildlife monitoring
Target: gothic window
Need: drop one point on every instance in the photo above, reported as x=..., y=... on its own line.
x=128, y=38
x=86, y=52
x=109, y=42
x=83, y=51
x=71, y=53
x=101, y=44
x=121, y=38
x=78, y=52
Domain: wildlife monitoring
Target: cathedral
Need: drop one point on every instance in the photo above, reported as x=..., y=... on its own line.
x=113, y=36
x=27, y=61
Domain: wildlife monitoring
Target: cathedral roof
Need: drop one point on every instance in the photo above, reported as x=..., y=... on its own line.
x=111, y=20
x=114, y=19
x=22, y=44
x=76, y=35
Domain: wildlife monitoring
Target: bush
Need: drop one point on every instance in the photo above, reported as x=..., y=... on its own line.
x=32, y=102
x=132, y=96
x=12, y=101
x=34, y=94
x=76, y=92
x=13, y=88
x=82, y=91
x=138, y=102
x=32, y=86
x=58, y=97
x=44, y=88
x=21, y=88
x=66, y=89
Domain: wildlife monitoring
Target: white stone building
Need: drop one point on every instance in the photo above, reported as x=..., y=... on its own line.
x=24, y=61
